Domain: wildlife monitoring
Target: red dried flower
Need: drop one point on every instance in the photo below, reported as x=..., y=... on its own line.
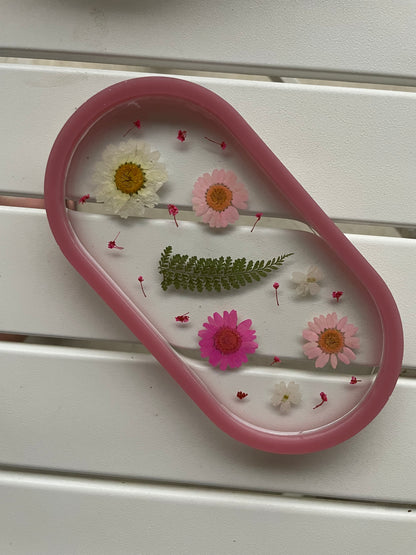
x=337, y=295
x=223, y=144
x=173, y=211
x=113, y=245
x=136, y=123
x=276, y=287
x=324, y=398
x=275, y=361
x=354, y=380
x=184, y=318
x=258, y=216
x=241, y=394
x=83, y=199
x=140, y=279
x=181, y=135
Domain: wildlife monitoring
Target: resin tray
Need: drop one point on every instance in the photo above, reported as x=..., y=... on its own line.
x=202, y=242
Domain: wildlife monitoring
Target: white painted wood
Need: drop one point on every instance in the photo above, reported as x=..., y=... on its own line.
x=67, y=516
x=120, y=414
x=350, y=148
x=44, y=295
x=364, y=40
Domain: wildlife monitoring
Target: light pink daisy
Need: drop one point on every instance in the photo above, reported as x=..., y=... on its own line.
x=224, y=342
x=330, y=339
x=217, y=196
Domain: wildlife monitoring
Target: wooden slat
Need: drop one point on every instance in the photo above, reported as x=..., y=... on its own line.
x=351, y=149
x=120, y=414
x=66, y=516
x=43, y=295
x=362, y=41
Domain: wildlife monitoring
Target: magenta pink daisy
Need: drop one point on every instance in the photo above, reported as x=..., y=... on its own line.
x=330, y=339
x=224, y=342
x=217, y=196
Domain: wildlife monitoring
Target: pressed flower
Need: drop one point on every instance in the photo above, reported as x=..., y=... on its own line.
x=337, y=295
x=84, y=199
x=354, y=380
x=276, y=360
x=183, y=318
x=173, y=211
x=276, y=287
x=222, y=144
x=307, y=284
x=330, y=339
x=217, y=196
x=136, y=123
x=258, y=216
x=226, y=343
x=140, y=279
x=181, y=135
x=324, y=399
x=286, y=395
x=113, y=245
x=129, y=176
x=241, y=395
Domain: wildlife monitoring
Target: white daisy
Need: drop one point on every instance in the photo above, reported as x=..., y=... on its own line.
x=286, y=395
x=128, y=177
x=307, y=284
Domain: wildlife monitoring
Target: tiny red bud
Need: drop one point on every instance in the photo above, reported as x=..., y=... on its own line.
x=241, y=394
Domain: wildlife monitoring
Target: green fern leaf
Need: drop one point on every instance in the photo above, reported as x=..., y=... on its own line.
x=193, y=273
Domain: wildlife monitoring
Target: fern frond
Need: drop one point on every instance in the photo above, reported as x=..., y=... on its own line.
x=193, y=273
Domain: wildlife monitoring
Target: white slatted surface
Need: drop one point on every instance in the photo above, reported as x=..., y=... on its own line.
x=365, y=40
x=118, y=417
x=107, y=518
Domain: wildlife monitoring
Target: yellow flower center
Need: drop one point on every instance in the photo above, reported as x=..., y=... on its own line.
x=219, y=197
x=331, y=341
x=227, y=341
x=129, y=178
x=285, y=397
x=311, y=280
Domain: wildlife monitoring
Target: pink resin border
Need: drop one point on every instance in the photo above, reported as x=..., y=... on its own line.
x=205, y=100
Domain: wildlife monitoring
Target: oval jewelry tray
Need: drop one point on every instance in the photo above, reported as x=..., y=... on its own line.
x=188, y=226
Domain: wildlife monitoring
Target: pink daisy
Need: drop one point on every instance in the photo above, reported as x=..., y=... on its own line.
x=225, y=343
x=217, y=196
x=330, y=339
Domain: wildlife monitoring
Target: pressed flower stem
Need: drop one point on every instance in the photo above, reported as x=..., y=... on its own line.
x=258, y=216
x=276, y=287
x=140, y=279
x=223, y=145
x=113, y=245
x=324, y=398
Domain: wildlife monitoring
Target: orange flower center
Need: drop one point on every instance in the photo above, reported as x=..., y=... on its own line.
x=129, y=178
x=227, y=341
x=331, y=341
x=219, y=197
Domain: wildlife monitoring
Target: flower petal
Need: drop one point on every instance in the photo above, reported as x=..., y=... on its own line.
x=352, y=342
x=322, y=360
x=310, y=335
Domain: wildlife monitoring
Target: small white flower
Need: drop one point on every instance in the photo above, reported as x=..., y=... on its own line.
x=307, y=284
x=128, y=177
x=286, y=395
